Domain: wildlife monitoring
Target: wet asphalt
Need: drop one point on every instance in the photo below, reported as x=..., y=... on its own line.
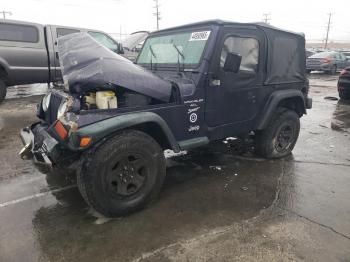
x=216, y=204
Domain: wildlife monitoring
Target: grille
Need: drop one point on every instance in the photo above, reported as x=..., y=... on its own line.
x=314, y=62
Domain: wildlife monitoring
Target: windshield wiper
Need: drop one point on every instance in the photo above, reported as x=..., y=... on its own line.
x=152, y=55
x=178, y=57
x=178, y=50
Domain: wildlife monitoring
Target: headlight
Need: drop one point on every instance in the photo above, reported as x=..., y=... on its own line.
x=46, y=102
x=62, y=109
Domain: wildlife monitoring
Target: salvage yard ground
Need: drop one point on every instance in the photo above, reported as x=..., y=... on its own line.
x=215, y=205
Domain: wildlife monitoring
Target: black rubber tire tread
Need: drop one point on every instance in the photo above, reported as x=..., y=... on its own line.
x=263, y=138
x=345, y=95
x=93, y=165
x=3, y=90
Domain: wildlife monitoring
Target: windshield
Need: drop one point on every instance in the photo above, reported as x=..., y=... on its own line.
x=185, y=48
x=135, y=39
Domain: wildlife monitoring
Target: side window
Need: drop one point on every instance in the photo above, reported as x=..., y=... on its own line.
x=247, y=47
x=65, y=31
x=19, y=33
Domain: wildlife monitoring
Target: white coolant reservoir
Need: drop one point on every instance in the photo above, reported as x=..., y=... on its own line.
x=106, y=100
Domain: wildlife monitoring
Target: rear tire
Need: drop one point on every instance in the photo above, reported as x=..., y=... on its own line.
x=122, y=175
x=3, y=90
x=343, y=94
x=280, y=136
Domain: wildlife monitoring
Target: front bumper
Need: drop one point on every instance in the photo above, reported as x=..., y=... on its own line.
x=321, y=67
x=38, y=145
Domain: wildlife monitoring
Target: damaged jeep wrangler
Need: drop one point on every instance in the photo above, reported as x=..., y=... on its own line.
x=190, y=85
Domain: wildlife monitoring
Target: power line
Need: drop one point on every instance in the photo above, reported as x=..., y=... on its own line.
x=328, y=27
x=4, y=13
x=267, y=18
x=157, y=13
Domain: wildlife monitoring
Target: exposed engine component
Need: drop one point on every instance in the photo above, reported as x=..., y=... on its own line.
x=90, y=101
x=106, y=100
x=100, y=100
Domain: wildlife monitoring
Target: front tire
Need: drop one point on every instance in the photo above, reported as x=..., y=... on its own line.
x=280, y=136
x=122, y=175
x=3, y=90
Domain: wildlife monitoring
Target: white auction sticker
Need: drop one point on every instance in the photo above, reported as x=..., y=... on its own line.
x=200, y=36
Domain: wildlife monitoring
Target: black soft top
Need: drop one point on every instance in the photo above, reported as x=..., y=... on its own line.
x=285, y=52
x=223, y=23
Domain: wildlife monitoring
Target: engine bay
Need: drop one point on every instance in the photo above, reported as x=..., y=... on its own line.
x=110, y=99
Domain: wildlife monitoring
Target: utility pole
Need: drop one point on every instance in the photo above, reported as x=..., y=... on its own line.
x=157, y=13
x=266, y=18
x=328, y=27
x=4, y=13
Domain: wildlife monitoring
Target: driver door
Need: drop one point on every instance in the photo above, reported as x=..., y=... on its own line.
x=233, y=98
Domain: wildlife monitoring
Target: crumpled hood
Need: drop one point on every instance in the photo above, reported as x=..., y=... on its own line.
x=86, y=65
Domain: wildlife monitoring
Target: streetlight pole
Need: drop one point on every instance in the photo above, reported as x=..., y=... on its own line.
x=157, y=13
x=328, y=27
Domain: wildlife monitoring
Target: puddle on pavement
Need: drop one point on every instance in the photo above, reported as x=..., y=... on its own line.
x=205, y=189
x=321, y=79
x=26, y=90
x=195, y=197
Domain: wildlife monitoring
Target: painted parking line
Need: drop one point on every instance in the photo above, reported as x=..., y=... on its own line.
x=38, y=195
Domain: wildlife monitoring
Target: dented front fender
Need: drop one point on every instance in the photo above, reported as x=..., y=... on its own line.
x=99, y=130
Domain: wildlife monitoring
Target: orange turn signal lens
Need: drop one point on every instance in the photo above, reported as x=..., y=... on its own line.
x=60, y=130
x=85, y=141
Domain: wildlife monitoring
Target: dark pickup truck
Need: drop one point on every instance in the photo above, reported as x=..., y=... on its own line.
x=191, y=85
x=28, y=52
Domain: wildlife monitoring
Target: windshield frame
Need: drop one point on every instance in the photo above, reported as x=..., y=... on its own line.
x=184, y=67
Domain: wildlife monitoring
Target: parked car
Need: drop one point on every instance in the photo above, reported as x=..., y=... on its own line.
x=309, y=53
x=329, y=62
x=28, y=52
x=190, y=85
x=344, y=84
x=133, y=44
x=346, y=53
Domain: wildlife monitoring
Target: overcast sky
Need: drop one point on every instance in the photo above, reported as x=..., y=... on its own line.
x=308, y=16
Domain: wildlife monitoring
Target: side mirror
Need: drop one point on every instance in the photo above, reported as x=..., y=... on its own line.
x=232, y=62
